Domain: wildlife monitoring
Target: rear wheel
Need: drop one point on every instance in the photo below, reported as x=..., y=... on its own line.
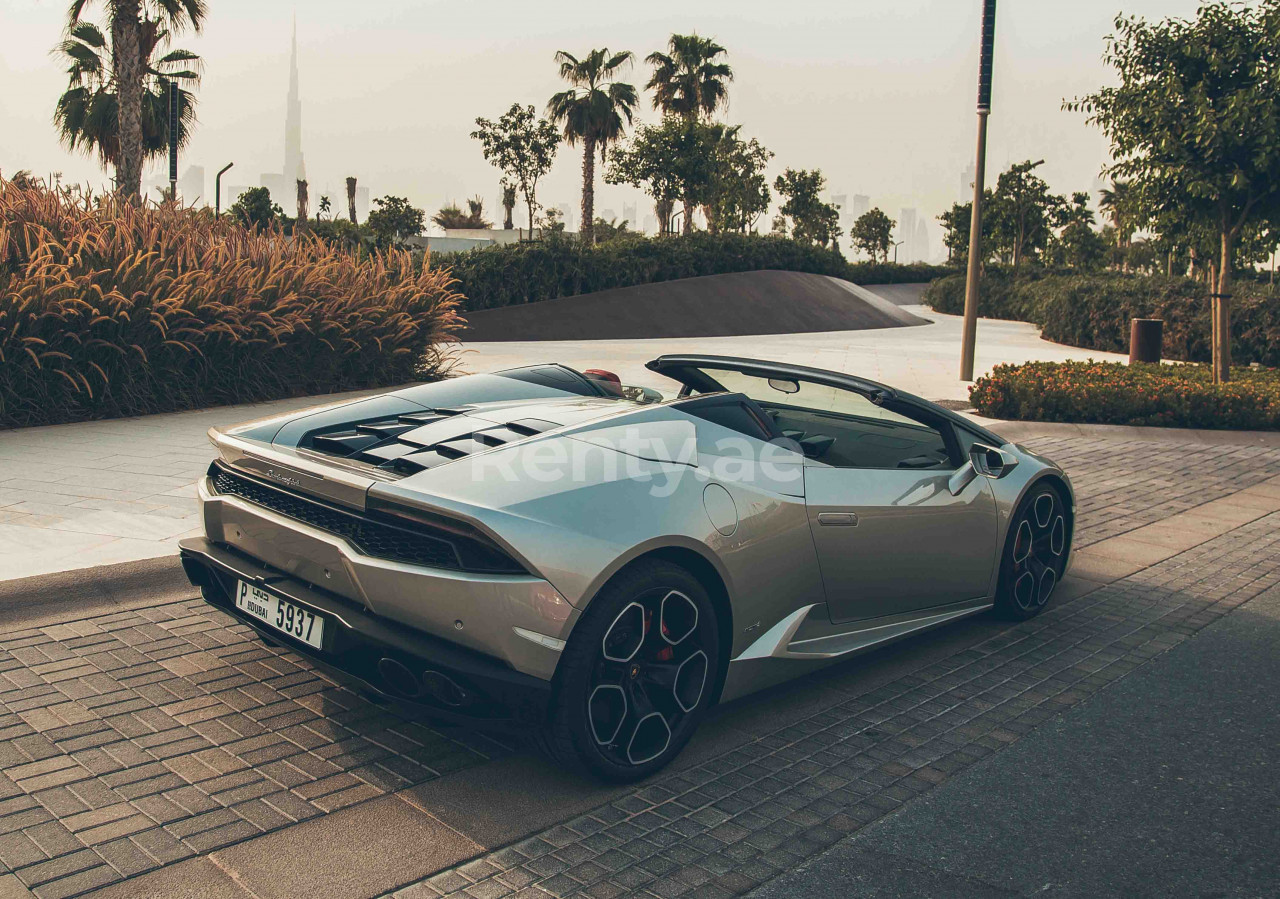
x=637, y=674
x=1035, y=554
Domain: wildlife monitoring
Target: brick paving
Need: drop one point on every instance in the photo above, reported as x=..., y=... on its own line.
x=141, y=738
x=738, y=820
x=138, y=739
x=1125, y=484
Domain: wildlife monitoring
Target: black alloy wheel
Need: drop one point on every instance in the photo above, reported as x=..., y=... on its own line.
x=1035, y=555
x=638, y=673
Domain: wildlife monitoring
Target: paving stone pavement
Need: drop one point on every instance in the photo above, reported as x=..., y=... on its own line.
x=139, y=739
x=741, y=819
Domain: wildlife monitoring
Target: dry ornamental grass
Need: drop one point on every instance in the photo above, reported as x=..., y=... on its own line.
x=110, y=310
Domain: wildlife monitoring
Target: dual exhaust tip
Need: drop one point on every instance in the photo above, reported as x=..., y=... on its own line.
x=399, y=680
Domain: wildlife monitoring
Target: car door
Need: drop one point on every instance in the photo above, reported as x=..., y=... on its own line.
x=891, y=536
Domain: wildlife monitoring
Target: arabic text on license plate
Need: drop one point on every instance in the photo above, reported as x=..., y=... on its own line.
x=279, y=613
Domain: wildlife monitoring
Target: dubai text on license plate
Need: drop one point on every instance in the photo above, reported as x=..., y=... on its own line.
x=279, y=613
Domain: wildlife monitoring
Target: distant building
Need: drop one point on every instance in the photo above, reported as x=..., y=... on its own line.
x=284, y=184
x=859, y=205
x=841, y=201
x=920, y=248
x=566, y=215
x=608, y=215
x=191, y=187
x=906, y=234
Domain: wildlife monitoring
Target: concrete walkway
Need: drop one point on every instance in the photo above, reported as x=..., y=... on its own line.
x=98, y=493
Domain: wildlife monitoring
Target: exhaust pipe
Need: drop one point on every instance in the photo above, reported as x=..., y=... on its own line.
x=445, y=689
x=398, y=679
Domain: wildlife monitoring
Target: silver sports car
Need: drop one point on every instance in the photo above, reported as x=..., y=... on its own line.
x=601, y=563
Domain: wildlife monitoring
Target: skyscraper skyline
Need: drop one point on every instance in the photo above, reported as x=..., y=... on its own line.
x=294, y=166
x=283, y=185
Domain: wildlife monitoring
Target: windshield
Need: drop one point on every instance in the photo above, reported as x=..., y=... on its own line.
x=798, y=394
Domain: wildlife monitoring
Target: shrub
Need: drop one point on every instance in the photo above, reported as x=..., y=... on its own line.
x=1173, y=396
x=529, y=272
x=1093, y=311
x=114, y=310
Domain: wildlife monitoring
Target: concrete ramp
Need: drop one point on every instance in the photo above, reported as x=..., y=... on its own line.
x=743, y=303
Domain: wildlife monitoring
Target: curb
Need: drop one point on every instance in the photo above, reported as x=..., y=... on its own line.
x=1017, y=430
x=83, y=592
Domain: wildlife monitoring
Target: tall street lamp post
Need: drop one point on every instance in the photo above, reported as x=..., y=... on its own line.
x=979, y=171
x=173, y=140
x=217, y=190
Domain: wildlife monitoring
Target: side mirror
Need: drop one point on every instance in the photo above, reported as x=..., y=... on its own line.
x=991, y=462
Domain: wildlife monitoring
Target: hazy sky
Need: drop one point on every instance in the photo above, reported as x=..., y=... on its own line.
x=879, y=95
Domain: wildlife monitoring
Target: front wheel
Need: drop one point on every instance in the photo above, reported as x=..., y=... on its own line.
x=1035, y=554
x=637, y=674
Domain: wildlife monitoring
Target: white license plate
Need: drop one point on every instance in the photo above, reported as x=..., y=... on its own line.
x=279, y=613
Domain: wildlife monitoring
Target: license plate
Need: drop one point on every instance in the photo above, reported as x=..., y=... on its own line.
x=299, y=623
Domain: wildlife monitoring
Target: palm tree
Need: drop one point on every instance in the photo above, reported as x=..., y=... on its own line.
x=1116, y=201
x=687, y=80
x=508, y=204
x=134, y=26
x=300, y=225
x=351, y=199
x=87, y=114
x=596, y=110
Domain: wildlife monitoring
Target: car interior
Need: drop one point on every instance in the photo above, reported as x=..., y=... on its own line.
x=836, y=427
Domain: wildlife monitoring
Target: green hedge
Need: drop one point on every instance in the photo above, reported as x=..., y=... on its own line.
x=1093, y=311
x=528, y=272
x=1171, y=396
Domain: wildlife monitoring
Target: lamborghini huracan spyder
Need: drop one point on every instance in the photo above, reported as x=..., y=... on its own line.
x=551, y=549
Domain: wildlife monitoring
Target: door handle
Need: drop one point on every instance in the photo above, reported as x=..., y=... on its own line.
x=838, y=519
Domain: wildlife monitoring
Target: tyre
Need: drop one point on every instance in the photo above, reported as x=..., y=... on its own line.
x=637, y=675
x=1035, y=554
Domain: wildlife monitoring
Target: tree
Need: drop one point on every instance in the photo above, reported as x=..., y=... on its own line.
x=690, y=83
x=508, y=204
x=1023, y=212
x=1119, y=202
x=522, y=146
x=811, y=219
x=1195, y=124
x=394, y=220
x=688, y=80
x=254, y=208
x=738, y=193
x=325, y=207
x=351, y=199
x=1078, y=245
x=88, y=113
x=133, y=24
x=872, y=233
x=671, y=161
x=596, y=110
x=611, y=230
x=300, y=223
x=452, y=217
x=956, y=223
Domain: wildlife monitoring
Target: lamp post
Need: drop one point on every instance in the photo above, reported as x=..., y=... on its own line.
x=895, y=251
x=979, y=170
x=173, y=141
x=217, y=190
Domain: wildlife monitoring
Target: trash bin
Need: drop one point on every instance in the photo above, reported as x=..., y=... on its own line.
x=1146, y=336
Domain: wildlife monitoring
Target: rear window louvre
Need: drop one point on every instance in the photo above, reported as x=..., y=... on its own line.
x=400, y=444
